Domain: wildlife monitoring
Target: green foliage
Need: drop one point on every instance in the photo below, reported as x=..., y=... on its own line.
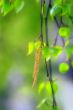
x=12, y=45
x=46, y=53
x=56, y=10
x=41, y=87
x=42, y=103
x=9, y=5
x=63, y=68
x=47, y=86
x=69, y=51
x=56, y=51
x=30, y=48
x=64, y=32
x=52, y=52
x=49, y=89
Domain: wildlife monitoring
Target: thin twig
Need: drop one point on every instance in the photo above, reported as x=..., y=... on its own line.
x=48, y=64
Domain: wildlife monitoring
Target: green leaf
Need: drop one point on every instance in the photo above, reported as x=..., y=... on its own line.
x=64, y=32
x=67, y=42
x=30, y=48
x=49, y=89
x=41, y=103
x=63, y=67
x=55, y=10
x=41, y=87
x=65, y=9
x=56, y=51
x=57, y=2
x=6, y=8
x=37, y=44
x=69, y=51
x=1, y=2
x=46, y=53
x=18, y=4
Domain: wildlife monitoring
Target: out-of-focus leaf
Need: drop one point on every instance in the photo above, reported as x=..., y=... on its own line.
x=30, y=48
x=41, y=103
x=67, y=42
x=63, y=68
x=41, y=87
x=56, y=51
x=46, y=53
x=64, y=32
x=65, y=9
x=6, y=7
x=1, y=2
x=18, y=4
x=49, y=89
x=56, y=10
x=37, y=44
x=69, y=51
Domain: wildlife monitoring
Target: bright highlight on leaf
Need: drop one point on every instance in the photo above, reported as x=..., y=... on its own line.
x=41, y=87
x=30, y=48
x=64, y=32
x=19, y=5
x=56, y=9
x=63, y=67
x=42, y=102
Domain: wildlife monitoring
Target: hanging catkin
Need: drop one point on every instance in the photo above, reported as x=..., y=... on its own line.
x=36, y=65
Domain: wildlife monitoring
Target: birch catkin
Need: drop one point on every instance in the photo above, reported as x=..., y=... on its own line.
x=38, y=54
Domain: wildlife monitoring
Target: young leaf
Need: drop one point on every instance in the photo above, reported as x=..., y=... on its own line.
x=56, y=10
x=65, y=9
x=46, y=53
x=56, y=51
x=18, y=4
x=64, y=32
x=42, y=102
x=49, y=89
x=30, y=48
x=41, y=87
x=6, y=7
x=63, y=67
x=37, y=44
x=67, y=42
x=69, y=51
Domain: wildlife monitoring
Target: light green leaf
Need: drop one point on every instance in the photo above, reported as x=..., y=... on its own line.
x=37, y=44
x=41, y=87
x=18, y=4
x=56, y=51
x=63, y=67
x=41, y=103
x=55, y=10
x=46, y=53
x=69, y=51
x=65, y=9
x=49, y=89
x=6, y=8
x=30, y=48
x=67, y=42
x=64, y=32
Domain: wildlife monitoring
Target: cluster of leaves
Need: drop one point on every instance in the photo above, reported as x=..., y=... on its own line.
x=8, y=5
